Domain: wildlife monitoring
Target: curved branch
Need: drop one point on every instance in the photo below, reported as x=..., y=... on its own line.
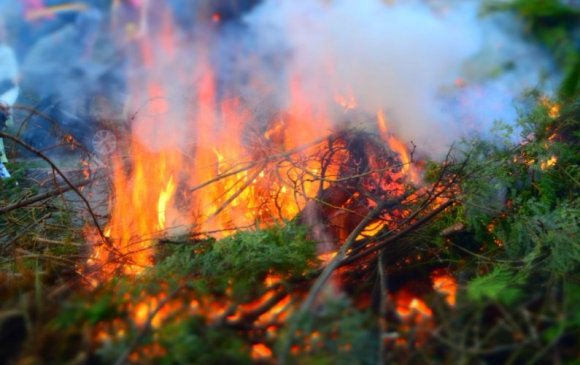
x=40, y=197
x=63, y=176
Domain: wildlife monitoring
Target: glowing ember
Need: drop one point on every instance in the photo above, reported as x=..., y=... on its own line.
x=410, y=307
x=549, y=163
x=372, y=229
x=326, y=257
x=446, y=285
x=261, y=351
x=552, y=107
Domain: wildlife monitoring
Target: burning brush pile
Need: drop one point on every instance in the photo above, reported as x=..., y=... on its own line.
x=342, y=250
x=301, y=228
x=269, y=207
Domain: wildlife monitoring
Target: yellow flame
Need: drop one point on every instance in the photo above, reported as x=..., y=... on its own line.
x=164, y=199
x=551, y=162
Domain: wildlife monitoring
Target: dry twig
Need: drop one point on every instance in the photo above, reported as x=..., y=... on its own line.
x=63, y=176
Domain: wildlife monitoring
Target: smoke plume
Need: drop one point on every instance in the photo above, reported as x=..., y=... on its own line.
x=439, y=72
x=437, y=69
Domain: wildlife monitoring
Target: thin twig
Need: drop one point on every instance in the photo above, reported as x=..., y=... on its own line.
x=63, y=176
x=235, y=195
x=399, y=235
x=40, y=197
x=253, y=164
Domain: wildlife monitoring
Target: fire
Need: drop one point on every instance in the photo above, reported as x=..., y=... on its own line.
x=552, y=107
x=224, y=178
x=549, y=163
x=412, y=308
x=261, y=351
x=446, y=285
x=210, y=171
x=398, y=147
x=372, y=230
x=327, y=257
x=149, y=185
x=346, y=101
x=164, y=199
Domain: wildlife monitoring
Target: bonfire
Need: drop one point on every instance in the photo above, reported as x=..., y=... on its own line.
x=264, y=207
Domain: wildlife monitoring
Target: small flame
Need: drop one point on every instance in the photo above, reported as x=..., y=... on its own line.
x=410, y=307
x=261, y=351
x=326, y=258
x=371, y=230
x=446, y=285
x=549, y=163
x=407, y=166
x=346, y=101
x=553, y=107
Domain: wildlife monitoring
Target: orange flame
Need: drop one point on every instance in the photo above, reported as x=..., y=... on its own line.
x=552, y=107
x=446, y=285
x=398, y=147
x=549, y=163
x=215, y=182
x=261, y=351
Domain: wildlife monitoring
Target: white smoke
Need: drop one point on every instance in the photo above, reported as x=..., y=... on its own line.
x=406, y=58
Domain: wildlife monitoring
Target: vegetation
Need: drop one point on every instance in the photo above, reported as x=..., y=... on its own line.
x=516, y=259
x=510, y=240
x=556, y=25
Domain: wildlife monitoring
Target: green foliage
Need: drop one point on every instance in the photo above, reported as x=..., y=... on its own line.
x=337, y=334
x=544, y=237
x=185, y=341
x=571, y=83
x=556, y=25
x=525, y=196
x=544, y=8
x=282, y=250
x=242, y=261
x=499, y=285
x=231, y=270
x=521, y=206
x=102, y=308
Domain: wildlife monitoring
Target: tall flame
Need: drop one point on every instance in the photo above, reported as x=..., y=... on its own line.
x=207, y=168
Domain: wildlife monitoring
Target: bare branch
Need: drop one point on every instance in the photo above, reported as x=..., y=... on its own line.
x=63, y=176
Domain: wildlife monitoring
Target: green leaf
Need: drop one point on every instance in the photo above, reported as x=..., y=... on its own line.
x=499, y=285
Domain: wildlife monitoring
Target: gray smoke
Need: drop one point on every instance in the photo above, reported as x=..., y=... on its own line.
x=439, y=71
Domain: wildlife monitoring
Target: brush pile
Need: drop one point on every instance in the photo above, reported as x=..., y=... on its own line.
x=373, y=267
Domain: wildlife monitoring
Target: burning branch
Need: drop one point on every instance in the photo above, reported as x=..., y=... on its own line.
x=324, y=276
x=234, y=196
x=147, y=325
x=399, y=235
